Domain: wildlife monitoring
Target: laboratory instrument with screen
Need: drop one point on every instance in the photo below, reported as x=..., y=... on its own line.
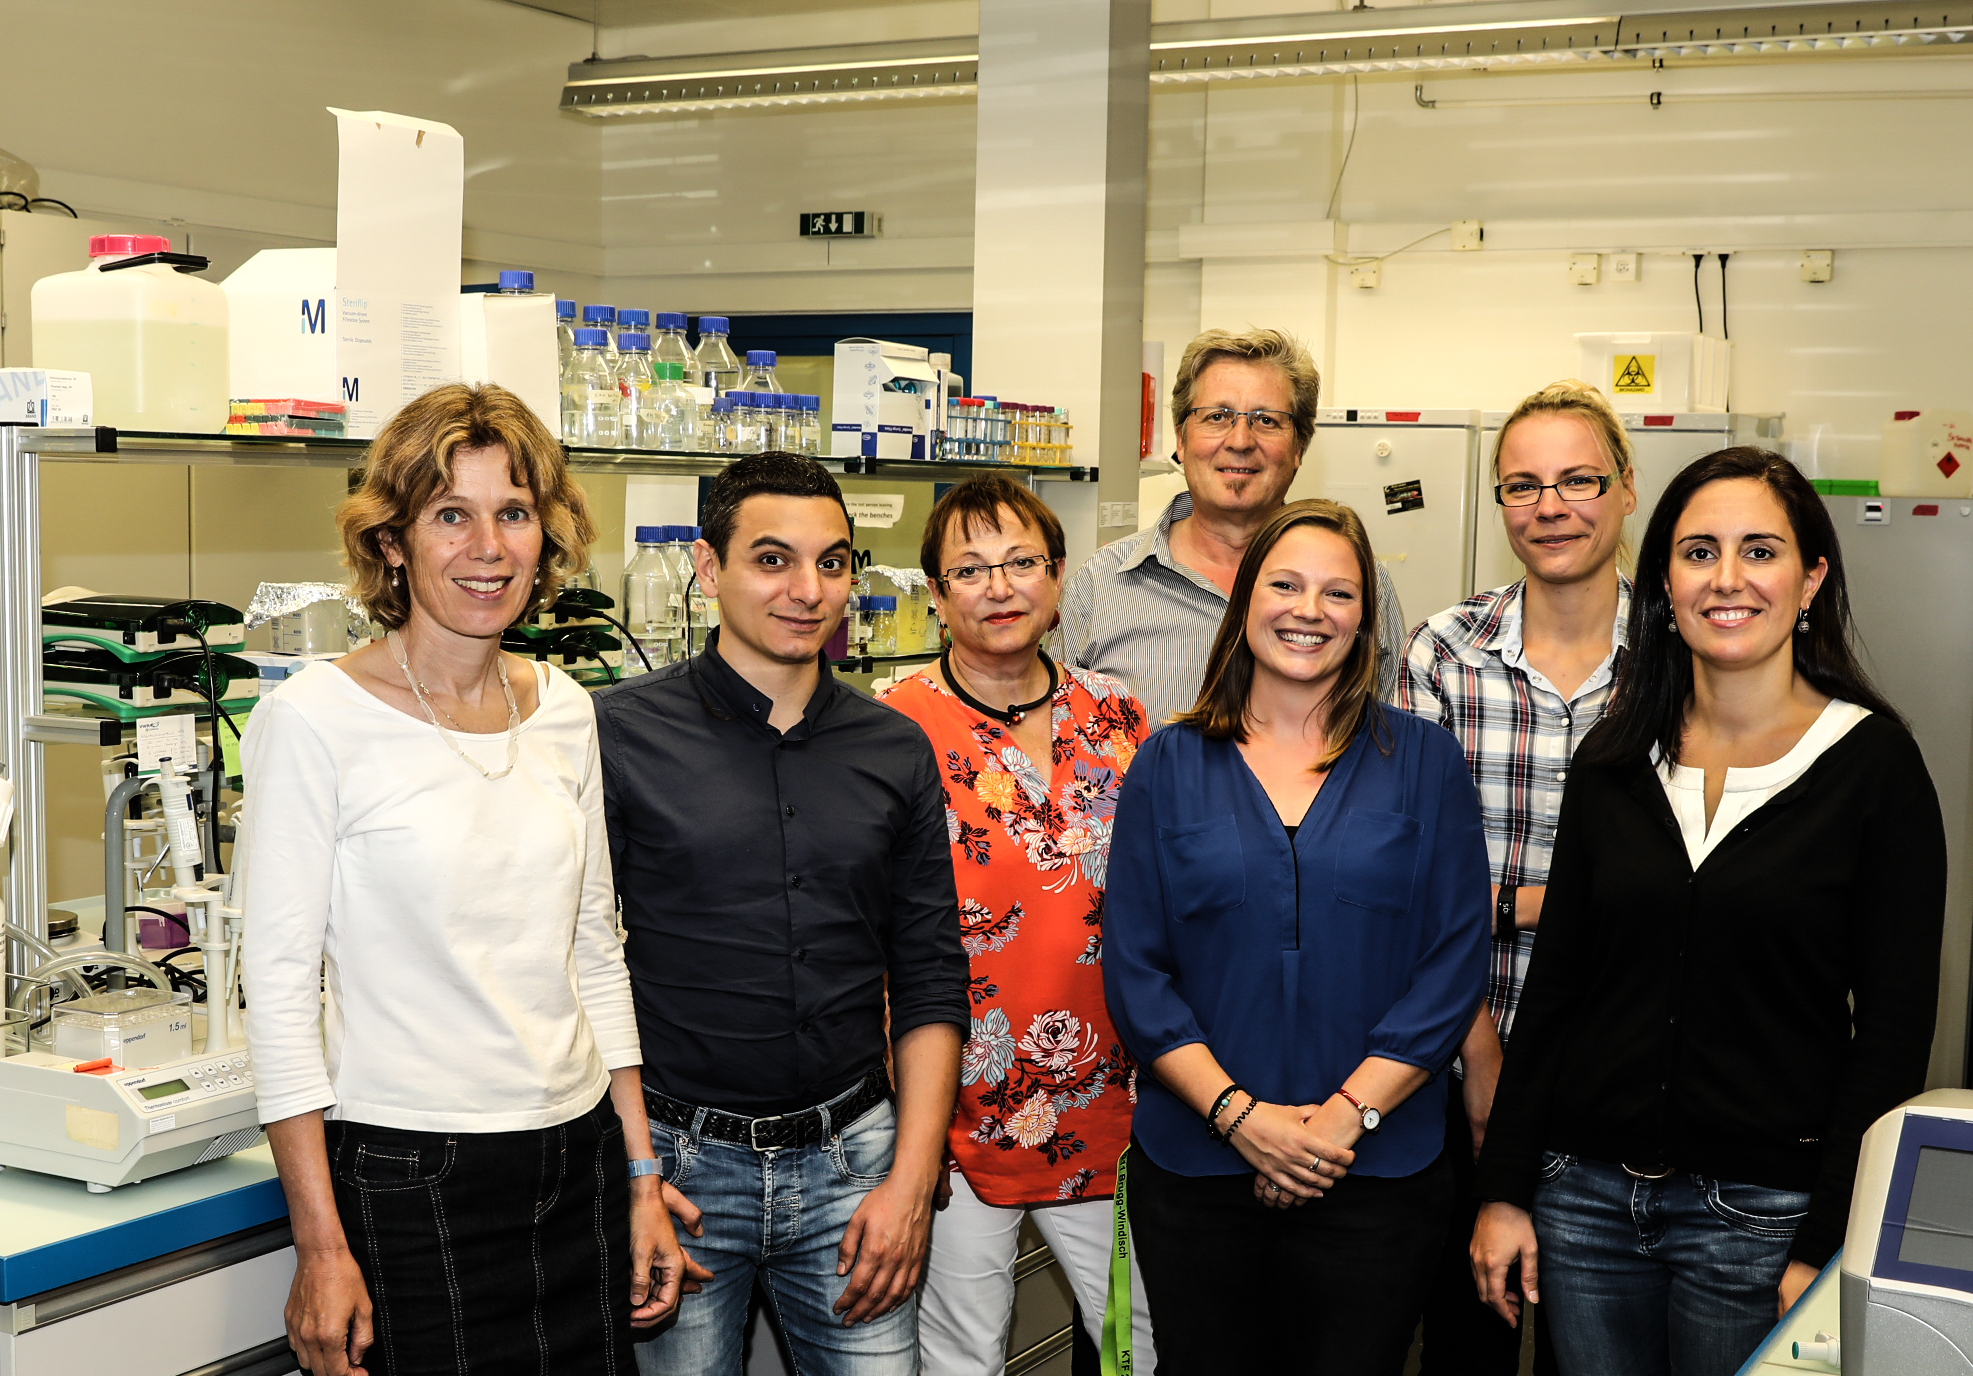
x=100, y=1082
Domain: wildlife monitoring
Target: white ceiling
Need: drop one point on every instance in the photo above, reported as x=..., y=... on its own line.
x=615, y=14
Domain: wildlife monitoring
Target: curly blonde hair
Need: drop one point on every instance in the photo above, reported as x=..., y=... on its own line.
x=410, y=462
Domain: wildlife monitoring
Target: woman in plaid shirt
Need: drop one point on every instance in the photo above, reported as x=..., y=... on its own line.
x=1520, y=674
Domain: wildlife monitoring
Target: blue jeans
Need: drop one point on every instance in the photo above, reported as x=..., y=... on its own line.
x=778, y=1216
x=1672, y=1277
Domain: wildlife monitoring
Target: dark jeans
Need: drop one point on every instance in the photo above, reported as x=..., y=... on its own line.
x=1331, y=1288
x=1654, y=1277
x=494, y=1252
x=1462, y=1336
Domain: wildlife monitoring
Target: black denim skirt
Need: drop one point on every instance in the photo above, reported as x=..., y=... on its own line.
x=495, y=1253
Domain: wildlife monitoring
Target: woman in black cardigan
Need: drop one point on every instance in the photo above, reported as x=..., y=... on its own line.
x=1739, y=961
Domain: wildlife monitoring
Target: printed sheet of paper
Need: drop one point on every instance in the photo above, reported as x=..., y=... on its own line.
x=400, y=193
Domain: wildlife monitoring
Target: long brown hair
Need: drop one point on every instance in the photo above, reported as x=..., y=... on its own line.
x=1221, y=711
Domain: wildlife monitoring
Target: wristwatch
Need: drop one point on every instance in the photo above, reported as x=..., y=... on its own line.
x=1503, y=911
x=1372, y=1118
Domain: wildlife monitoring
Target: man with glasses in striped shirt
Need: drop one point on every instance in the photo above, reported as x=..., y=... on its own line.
x=1144, y=609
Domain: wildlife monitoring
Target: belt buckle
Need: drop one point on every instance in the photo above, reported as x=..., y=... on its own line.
x=753, y=1131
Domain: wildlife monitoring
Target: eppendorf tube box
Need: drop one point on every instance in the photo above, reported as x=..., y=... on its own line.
x=46, y=396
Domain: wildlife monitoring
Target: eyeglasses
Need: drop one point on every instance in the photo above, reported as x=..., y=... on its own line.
x=1215, y=421
x=1025, y=568
x=1579, y=487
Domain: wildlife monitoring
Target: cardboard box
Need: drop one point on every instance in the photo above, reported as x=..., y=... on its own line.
x=883, y=401
x=45, y=396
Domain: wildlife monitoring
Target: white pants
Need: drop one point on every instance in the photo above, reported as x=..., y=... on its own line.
x=967, y=1302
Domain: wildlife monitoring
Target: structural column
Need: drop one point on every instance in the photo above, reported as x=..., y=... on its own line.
x=1058, y=233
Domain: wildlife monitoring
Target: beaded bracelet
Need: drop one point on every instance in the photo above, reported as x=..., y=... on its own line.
x=1219, y=1105
x=1234, y=1126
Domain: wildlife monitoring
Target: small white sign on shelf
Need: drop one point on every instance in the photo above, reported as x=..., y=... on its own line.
x=172, y=737
x=874, y=510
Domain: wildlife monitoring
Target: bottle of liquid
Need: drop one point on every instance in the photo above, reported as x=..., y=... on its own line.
x=152, y=338
x=514, y=283
x=592, y=407
x=634, y=384
x=759, y=376
x=811, y=425
x=668, y=344
x=564, y=332
x=774, y=426
x=704, y=610
x=674, y=411
x=603, y=318
x=631, y=318
x=883, y=626
x=719, y=419
x=714, y=361
x=746, y=423
x=649, y=587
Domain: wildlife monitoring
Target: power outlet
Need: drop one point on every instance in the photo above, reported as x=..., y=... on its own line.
x=1818, y=264
x=1467, y=235
x=1366, y=275
x=1623, y=267
x=1585, y=269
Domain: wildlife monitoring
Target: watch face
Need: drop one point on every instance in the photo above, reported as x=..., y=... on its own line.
x=1372, y=1120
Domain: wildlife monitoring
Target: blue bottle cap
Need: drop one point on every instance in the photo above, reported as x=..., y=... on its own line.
x=632, y=318
x=760, y=358
x=590, y=337
x=882, y=604
x=651, y=535
x=564, y=310
x=605, y=314
x=721, y=405
x=671, y=320
x=741, y=398
x=812, y=404
x=511, y=280
x=694, y=532
x=713, y=324
x=635, y=341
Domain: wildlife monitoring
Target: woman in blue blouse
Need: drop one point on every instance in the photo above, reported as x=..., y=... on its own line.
x=1294, y=944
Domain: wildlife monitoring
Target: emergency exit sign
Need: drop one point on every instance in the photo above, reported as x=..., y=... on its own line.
x=841, y=224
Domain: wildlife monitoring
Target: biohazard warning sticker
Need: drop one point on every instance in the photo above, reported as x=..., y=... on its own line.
x=1406, y=496
x=1632, y=373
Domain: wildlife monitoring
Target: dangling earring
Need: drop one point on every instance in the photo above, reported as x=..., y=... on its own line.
x=1674, y=625
x=396, y=574
x=1802, y=625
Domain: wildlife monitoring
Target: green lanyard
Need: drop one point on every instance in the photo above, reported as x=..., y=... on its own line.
x=1116, y=1305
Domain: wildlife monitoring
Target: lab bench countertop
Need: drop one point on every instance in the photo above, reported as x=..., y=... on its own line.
x=53, y=1232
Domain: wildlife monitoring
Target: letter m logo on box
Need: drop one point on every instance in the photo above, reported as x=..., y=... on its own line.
x=314, y=315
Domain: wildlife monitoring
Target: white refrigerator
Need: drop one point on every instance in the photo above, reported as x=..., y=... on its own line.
x=1662, y=445
x=1410, y=476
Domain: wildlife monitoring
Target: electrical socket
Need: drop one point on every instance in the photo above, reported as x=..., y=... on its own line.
x=1365, y=275
x=1623, y=267
x=1585, y=269
x=1818, y=264
x=1467, y=235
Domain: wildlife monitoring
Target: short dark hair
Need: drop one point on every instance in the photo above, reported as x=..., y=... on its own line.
x=1648, y=707
x=775, y=473
x=975, y=505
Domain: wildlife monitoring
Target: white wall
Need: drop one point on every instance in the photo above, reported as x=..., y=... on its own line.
x=208, y=117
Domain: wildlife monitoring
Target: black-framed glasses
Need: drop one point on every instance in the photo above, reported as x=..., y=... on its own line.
x=1214, y=421
x=1025, y=568
x=1577, y=487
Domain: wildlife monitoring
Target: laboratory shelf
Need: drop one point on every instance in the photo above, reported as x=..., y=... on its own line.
x=53, y=1232
x=106, y=444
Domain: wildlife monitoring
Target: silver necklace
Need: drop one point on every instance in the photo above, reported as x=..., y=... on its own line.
x=395, y=642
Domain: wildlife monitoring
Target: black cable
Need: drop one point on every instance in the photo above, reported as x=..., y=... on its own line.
x=50, y=200
x=1725, y=333
x=629, y=639
x=21, y=196
x=1697, y=302
x=156, y=912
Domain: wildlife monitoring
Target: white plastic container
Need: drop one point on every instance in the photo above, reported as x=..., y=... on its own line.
x=1927, y=454
x=1657, y=372
x=152, y=338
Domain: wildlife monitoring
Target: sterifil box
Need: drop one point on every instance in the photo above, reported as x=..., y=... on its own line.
x=881, y=400
x=45, y=396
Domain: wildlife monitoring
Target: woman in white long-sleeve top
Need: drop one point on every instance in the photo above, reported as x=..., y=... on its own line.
x=438, y=1012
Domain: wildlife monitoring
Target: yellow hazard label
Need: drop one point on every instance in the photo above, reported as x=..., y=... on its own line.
x=1633, y=373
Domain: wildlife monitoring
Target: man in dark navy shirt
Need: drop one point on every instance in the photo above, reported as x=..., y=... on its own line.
x=780, y=849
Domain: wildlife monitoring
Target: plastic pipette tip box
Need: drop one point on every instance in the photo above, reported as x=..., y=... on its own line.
x=291, y=406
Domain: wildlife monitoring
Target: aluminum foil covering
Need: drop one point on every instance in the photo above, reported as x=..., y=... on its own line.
x=279, y=599
x=907, y=580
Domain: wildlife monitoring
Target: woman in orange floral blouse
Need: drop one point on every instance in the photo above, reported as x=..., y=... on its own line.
x=1033, y=754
